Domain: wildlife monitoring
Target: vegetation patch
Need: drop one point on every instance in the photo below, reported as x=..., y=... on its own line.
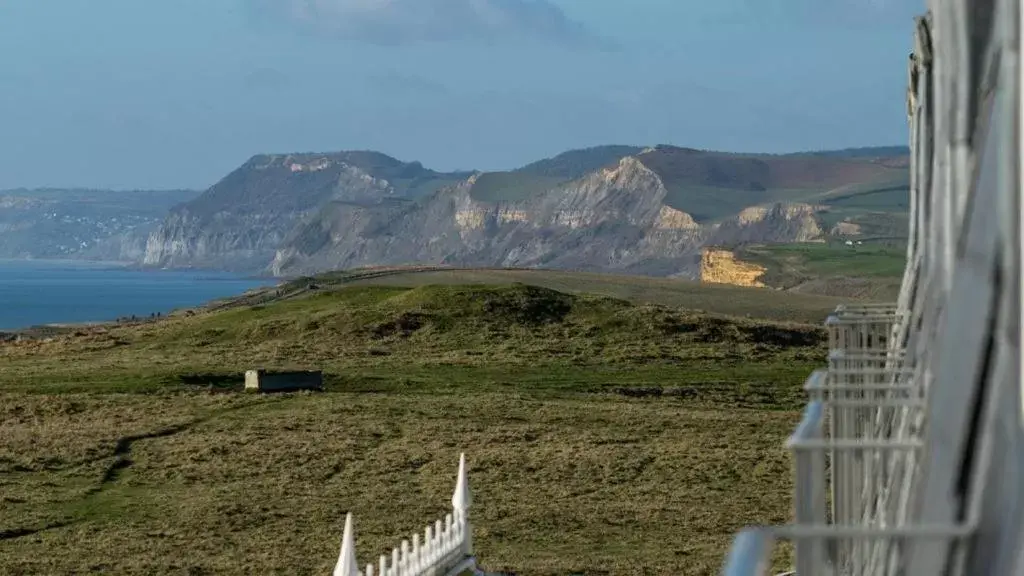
x=713, y=185
x=577, y=163
x=403, y=325
x=765, y=304
x=523, y=304
x=514, y=186
x=602, y=434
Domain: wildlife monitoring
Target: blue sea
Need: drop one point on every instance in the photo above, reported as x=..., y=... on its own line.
x=56, y=292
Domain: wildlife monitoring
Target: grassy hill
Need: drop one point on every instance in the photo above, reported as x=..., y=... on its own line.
x=543, y=175
x=712, y=298
x=262, y=180
x=878, y=210
x=861, y=152
x=714, y=185
x=577, y=163
x=512, y=186
x=602, y=434
x=711, y=185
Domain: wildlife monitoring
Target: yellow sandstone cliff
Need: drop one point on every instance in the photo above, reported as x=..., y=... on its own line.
x=718, y=266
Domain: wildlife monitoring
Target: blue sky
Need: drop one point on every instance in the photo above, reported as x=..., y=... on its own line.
x=159, y=94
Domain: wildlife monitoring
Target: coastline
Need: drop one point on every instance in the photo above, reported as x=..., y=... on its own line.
x=37, y=331
x=21, y=326
x=237, y=275
x=139, y=267
x=48, y=330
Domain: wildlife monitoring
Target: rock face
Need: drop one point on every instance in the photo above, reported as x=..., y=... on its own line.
x=607, y=209
x=613, y=218
x=241, y=221
x=792, y=222
x=719, y=266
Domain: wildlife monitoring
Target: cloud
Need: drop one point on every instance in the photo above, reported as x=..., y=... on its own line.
x=390, y=22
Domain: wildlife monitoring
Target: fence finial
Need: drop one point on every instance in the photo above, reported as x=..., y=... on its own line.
x=347, y=565
x=461, y=499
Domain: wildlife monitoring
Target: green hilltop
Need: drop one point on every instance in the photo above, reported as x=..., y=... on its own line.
x=711, y=185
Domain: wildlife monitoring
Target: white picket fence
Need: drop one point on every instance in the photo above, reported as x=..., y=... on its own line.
x=447, y=546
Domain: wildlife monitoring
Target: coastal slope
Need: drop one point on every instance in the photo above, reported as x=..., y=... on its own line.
x=611, y=208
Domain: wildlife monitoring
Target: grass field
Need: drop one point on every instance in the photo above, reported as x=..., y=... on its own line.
x=712, y=298
x=878, y=210
x=871, y=271
x=833, y=259
x=512, y=186
x=891, y=195
x=602, y=436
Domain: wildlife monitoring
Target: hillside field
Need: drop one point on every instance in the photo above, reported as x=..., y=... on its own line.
x=868, y=271
x=696, y=296
x=711, y=186
x=603, y=436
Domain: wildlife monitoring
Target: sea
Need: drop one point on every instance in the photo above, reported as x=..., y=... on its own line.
x=36, y=292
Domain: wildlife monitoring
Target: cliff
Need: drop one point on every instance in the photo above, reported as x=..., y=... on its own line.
x=613, y=218
x=647, y=211
x=240, y=222
x=718, y=266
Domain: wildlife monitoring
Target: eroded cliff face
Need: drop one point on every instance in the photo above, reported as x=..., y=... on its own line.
x=612, y=219
x=223, y=240
x=719, y=266
x=781, y=222
x=305, y=213
x=241, y=222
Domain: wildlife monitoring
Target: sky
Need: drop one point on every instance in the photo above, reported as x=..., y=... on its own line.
x=133, y=94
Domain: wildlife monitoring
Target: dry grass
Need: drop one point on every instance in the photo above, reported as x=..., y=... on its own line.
x=743, y=301
x=114, y=460
x=230, y=484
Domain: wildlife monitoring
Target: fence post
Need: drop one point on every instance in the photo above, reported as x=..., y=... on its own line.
x=749, y=555
x=461, y=500
x=347, y=565
x=809, y=489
